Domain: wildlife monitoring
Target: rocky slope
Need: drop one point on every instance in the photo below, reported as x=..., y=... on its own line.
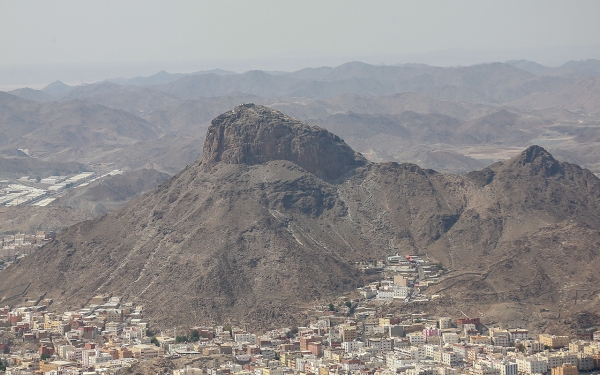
x=276, y=211
x=112, y=192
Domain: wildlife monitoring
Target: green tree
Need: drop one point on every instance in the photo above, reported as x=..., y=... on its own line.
x=331, y=307
x=2, y=366
x=154, y=340
x=45, y=356
x=349, y=304
x=194, y=336
x=181, y=339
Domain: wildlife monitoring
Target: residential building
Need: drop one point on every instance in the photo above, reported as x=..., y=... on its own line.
x=351, y=346
x=348, y=332
x=554, y=341
x=450, y=359
x=566, y=369
x=450, y=338
x=532, y=365
x=416, y=338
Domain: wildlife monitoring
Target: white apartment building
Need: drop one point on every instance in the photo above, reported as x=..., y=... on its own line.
x=414, y=352
x=416, y=338
x=431, y=349
x=450, y=338
x=508, y=368
x=250, y=338
x=351, y=346
x=450, y=358
x=395, y=360
x=532, y=365
x=380, y=344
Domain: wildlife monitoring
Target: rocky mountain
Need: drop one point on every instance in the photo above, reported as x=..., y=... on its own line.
x=30, y=219
x=276, y=211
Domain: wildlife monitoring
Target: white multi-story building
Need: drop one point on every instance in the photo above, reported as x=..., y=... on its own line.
x=431, y=349
x=250, y=338
x=413, y=352
x=450, y=338
x=518, y=334
x=381, y=344
x=416, y=338
x=102, y=359
x=351, y=346
x=450, y=358
x=394, y=360
x=532, y=365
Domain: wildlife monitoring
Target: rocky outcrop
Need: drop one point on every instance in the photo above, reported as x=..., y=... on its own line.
x=253, y=134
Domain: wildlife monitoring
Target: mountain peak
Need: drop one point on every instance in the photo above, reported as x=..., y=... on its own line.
x=539, y=160
x=254, y=134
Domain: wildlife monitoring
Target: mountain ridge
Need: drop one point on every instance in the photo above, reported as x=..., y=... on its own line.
x=251, y=241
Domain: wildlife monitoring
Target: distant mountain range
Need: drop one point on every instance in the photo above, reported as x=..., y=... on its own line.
x=455, y=119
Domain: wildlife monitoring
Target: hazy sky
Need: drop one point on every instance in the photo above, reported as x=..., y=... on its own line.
x=282, y=34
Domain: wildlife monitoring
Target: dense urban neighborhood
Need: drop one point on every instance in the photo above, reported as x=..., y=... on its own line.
x=347, y=336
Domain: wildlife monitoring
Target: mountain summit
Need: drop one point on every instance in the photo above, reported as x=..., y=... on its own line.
x=254, y=134
x=276, y=213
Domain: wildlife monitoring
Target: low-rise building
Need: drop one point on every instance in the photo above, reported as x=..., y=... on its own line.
x=566, y=369
x=554, y=341
x=532, y=365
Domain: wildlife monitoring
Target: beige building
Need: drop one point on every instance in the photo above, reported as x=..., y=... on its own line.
x=554, y=341
x=480, y=340
x=349, y=333
x=479, y=369
x=567, y=369
x=143, y=351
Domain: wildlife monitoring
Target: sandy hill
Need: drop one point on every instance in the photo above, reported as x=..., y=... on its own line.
x=276, y=211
